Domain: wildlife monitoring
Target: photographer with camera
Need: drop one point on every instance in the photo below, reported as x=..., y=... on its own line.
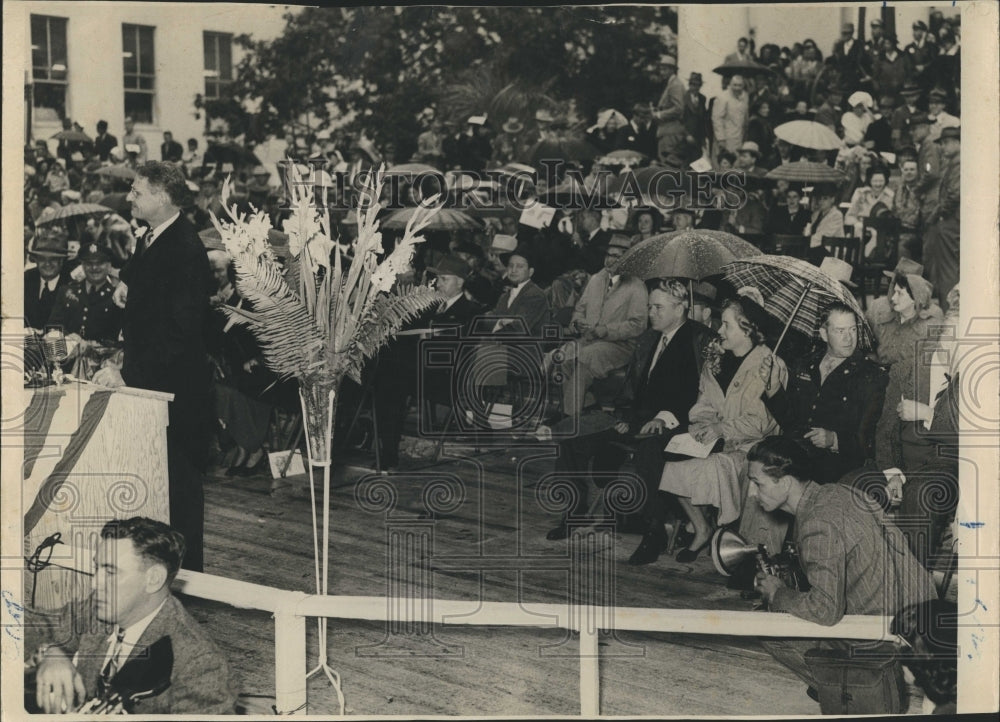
x=856, y=562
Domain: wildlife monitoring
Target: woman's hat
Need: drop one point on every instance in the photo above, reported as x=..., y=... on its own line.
x=838, y=270
x=860, y=97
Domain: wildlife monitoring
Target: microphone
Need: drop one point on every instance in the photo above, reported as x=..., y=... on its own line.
x=54, y=344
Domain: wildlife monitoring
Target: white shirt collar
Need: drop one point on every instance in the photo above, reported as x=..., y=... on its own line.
x=161, y=228
x=132, y=635
x=50, y=284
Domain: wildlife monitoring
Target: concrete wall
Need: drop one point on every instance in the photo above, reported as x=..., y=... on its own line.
x=94, y=47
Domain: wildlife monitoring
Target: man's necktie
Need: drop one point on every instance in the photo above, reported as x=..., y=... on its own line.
x=112, y=665
x=656, y=354
x=46, y=293
x=143, y=242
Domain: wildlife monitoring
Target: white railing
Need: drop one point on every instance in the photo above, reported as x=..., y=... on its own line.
x=292, y=609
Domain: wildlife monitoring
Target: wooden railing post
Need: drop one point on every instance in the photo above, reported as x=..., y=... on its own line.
x=590, y=672
x=290, y=657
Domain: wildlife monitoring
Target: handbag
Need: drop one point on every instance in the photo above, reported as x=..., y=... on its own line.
x=850, y=683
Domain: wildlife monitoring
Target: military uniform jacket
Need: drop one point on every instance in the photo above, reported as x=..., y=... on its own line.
x=92, y=315
x=848, y=403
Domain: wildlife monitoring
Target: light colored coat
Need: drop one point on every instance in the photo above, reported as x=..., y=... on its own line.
x=743, y=419
x=622, y=310
x=729, y=120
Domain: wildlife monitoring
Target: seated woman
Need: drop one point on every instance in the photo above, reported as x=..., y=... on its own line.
x=731, y=414
x=647, y=224
x=864, y=198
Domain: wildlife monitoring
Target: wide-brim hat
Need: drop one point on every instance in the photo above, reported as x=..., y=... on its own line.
x=94, y=252
x=620, y=240
x=860, y=97
x=695, y=78
x=49, y=243
x=952, y=133
x=937, y=95
x=910, y=89
x=477, y=119
x=877, y=22
x=750, y=147
x=77, y=157
x=838, y=270
x=512, y=126
x=919, y=25
x=704, y=293
x=907, y=267
x=450, y=266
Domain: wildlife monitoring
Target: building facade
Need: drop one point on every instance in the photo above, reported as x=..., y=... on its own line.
x=91, y=61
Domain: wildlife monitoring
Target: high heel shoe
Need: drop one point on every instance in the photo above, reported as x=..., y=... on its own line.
x=686, y=556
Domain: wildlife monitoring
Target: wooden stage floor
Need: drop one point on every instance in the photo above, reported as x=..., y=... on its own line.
x=490, y=547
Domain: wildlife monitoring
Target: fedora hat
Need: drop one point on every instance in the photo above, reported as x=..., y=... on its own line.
x=544, y=116
x=704, y=293
x=910, y=89
x=919, y=25
x=450, y=266
x=49, y=243
x=952, y=133
x=838, y=270
x=750, y=147
x=695, y=78
x=668, y=59
x=620, y=240
x=937, y=95
x=512, y=126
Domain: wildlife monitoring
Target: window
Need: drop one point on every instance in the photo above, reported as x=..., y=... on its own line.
x=48, y=67
x=138, y=60
x=218, y=64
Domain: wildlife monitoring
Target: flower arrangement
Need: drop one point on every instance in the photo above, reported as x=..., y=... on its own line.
x=323, y=315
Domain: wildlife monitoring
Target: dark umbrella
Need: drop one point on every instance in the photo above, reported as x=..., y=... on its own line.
x=117, y=171
x=233, y=153
x=565, y=149
x=446, y=219
x=570, y=193
x=746, y=68
x=694, y=253
x=796, y=293
x=657, y=185
x=73, y=136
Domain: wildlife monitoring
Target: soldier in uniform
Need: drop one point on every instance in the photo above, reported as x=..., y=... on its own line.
x=85, y=307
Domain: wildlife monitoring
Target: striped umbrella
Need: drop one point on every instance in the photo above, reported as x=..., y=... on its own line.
x=804, y=171
x=795, y=293
x=694, y=253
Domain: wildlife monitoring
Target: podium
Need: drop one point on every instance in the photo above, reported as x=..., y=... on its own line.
x=91, y=454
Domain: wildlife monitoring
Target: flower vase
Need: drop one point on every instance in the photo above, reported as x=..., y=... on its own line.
x=319, y=409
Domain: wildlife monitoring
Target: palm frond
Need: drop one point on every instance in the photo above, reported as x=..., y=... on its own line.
x=384, y=318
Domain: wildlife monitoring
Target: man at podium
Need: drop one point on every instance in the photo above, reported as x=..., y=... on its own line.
x=165, y=289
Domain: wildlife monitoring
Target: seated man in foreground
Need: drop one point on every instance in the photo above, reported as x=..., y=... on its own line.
x=855, y=560
x=136, y=638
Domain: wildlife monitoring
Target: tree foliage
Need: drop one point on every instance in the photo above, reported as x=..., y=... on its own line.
x=376, y=68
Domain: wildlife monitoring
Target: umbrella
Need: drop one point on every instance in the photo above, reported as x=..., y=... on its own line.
x=808, y=134
x=736, y=67
x=657, y=185
x=625, y=156
x=516, y=169
x=572, y=194
x=446, y=219
x=76, y=209
x=117, y=171
x=73, y=136
x=117, y=203
x=565, y=149
x=795, y=292
x=694, y=253
x=804, y=171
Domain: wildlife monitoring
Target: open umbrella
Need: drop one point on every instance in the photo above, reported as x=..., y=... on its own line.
x=808, y=134
x=746, y=68
x=565, y=149
x=795, y=293
x=117, y=171
x=72, y=136
x=411, y=169
x=625, y=156
x=657, y=186
x=804, y=171
x=694, y=253
x=76, y=209
x=446, y=219
x=516, y=169
x=570, y=193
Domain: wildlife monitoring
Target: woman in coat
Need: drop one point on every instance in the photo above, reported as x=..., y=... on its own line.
x=731, y=414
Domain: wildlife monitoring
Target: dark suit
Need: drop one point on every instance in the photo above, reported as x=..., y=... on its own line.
x=593, y=250
x=38, y=310
x=696, y=120
x=103, y=145
x=171, y=151
x=94, y=316
x=200, y=682
x=165, y=319
x=642, y=139
x=783, y=223
x=530, y=305
x=848, y=63
x=671, y=385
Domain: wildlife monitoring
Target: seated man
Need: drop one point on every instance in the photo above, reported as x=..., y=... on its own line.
x=855, y=560
x=47, y=250
x=607, y=322
x=85, y=307
x=831, y=406
x=135, y=635
x=661, y=386
x=524, y=300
